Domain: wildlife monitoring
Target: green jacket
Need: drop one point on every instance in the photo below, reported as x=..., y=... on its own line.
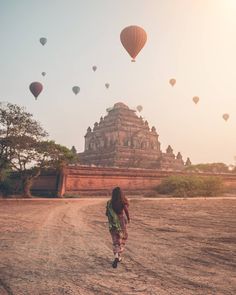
x=113, y=219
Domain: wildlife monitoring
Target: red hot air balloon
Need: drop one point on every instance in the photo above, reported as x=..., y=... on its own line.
x=225, y=117
x=172, y=82
x=195, y=99
x=36, y=88
x=133, y=38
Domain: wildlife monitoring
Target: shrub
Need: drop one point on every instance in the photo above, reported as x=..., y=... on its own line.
x=9, y=186
x=190, y=186
x=212, y=186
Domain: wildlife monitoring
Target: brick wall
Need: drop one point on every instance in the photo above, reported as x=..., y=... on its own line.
x=84, y=180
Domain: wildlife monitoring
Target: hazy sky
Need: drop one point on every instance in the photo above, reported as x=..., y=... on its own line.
x=193, y=41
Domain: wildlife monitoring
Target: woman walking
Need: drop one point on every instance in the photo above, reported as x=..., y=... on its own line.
x=116, y=207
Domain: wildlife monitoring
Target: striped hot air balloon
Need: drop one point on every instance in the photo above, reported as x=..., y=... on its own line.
x=133, y=38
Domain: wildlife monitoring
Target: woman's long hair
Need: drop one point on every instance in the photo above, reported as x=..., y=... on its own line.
x=118, y=200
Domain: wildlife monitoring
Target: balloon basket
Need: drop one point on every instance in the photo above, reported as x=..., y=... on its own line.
x=133, y=60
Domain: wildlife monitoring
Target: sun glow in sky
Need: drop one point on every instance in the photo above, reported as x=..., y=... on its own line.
x=191, y=41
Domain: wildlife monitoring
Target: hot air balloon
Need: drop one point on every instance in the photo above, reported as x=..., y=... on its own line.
x=172, y=82
x=225, y=117
x=107, y=85
x=196, y=99
x=94, y=68
x=43, y=40
x=36, y=88
x=139, y=108
x=133, y=38
x=76, y=89
x=43, y=73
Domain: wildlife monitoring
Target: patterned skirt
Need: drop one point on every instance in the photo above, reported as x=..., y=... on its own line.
x=119, y=238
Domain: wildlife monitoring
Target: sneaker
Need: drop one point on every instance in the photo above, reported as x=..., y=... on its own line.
x=115, y=262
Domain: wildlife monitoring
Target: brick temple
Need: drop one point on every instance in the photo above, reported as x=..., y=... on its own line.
x=123, y=139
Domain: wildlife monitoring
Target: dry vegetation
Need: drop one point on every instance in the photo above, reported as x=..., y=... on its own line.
x=175, y=246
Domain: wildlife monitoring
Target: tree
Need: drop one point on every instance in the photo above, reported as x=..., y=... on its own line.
x=44, y=154
x=16, y=127
x=24, y=148
x=4, y=163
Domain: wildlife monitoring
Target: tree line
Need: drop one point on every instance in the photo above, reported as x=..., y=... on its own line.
x=211, y=168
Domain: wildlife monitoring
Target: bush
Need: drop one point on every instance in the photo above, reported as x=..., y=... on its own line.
x=212, y=186
x=190, y=186
x=9, y=186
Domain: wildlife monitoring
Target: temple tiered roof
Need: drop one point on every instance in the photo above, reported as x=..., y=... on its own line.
x=123, y=139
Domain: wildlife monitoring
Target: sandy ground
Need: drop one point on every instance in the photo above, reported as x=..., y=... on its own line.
x=63, y=247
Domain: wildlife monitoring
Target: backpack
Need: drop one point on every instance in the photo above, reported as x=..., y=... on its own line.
x=113, y=219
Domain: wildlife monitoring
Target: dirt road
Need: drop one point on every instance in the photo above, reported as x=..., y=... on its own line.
x=52, y=247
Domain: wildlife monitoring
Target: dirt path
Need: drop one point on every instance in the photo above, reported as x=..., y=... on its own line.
x=63, y=247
